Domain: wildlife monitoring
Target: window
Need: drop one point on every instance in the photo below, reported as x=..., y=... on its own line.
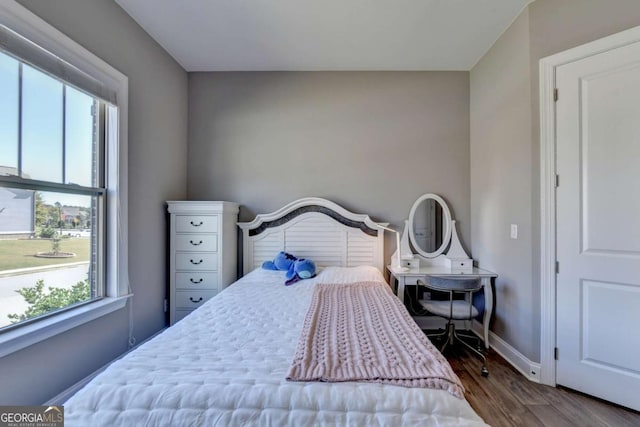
x=62, y=182
x=52, y=202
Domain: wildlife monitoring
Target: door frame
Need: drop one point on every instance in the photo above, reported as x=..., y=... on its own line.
x=548, y=169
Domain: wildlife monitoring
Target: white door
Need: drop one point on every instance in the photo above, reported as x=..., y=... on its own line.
x=598, y=225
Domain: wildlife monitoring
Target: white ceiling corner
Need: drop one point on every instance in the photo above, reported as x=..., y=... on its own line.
x=306, y=35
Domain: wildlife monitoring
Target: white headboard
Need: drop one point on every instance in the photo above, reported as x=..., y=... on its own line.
x=317, y=229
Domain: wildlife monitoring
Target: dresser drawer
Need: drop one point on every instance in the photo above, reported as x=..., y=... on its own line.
x=196, y=223
x=412, y=280
x=192, y=299
x=197, y=242
x=460, y=265
x=196, y=261
x=202, y=252
x=181, y=314
x=197, y=280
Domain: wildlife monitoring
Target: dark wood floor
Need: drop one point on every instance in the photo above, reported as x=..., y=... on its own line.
x=506, y=398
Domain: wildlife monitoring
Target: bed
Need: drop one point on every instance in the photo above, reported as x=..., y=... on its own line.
x=227, y=362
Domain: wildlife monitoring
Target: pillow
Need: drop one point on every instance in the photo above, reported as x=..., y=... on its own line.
x=361, y=273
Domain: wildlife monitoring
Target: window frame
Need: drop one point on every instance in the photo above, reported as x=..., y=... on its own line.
x=115, y=238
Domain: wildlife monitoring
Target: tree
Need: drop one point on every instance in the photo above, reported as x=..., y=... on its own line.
x=42, y=303
x=42, y=213
x=45, y=217
x=60, y=222
x=55, y=243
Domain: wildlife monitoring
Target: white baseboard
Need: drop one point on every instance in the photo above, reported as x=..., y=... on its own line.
x=531, y=370
x=60, y=398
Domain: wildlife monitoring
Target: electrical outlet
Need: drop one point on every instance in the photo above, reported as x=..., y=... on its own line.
x=514, y=231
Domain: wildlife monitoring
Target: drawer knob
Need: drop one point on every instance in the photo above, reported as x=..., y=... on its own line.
x=196, y=225
x=195, y=243
x=195, y=300
x=195, y=281
x=195, y=262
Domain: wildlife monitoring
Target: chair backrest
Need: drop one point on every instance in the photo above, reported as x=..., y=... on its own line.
x=451, y=286
x=466, y=284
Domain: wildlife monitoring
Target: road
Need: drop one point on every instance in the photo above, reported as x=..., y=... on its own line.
x=59, y=276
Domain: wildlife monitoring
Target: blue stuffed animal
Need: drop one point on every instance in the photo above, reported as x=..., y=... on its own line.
x=282, y=261
x=300, y=269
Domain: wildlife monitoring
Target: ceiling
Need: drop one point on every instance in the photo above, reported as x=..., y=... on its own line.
x=305, y=35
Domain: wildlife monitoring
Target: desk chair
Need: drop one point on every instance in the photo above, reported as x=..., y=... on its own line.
x=455, y=309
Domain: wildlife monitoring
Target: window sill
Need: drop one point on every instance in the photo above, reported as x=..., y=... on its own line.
x=22, y=337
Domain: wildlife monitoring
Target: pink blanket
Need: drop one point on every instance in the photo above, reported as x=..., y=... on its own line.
x=362, y=332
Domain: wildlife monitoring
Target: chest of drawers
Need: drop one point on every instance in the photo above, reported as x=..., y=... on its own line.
x=202, y=253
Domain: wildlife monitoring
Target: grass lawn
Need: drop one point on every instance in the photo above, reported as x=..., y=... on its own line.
x=20, y=253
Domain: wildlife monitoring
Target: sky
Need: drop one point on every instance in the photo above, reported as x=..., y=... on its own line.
x=42, y=129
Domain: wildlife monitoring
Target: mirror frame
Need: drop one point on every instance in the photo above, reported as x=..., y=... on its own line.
x=447, y=226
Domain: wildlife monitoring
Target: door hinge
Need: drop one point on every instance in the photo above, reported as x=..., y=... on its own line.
x=557, y=267
x=166, y=305
x=555, y=95
x=555, y=353
x=557, y=180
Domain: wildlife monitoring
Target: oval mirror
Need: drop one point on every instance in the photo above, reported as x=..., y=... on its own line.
x=429, y=225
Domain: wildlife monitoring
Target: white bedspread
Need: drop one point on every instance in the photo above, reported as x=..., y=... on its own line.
x=226, y=363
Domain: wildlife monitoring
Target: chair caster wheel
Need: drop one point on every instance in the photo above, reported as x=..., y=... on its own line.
x=484, y=371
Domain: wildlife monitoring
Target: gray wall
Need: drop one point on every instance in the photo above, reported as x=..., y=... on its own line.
x=553, y=26
x=370, y=141
x=157, y=172
x=501, y=181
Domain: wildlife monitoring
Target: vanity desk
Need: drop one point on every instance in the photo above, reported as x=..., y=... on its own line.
x=430, y=248
x=404, y=277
